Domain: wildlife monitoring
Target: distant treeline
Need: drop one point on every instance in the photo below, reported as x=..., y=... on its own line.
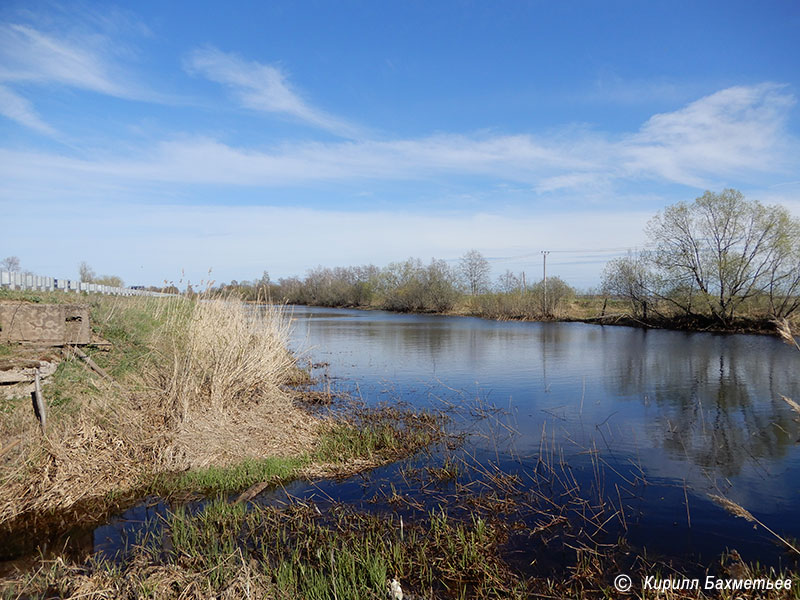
x=414, y=286
x=721, y=262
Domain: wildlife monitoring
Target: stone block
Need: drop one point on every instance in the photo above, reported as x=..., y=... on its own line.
x=44, y=324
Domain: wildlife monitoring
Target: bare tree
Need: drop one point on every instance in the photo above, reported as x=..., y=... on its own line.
x=730, y=248
x=474, y=269
x=630, y=278
x=10, y=263
x=508, y=282
x=86, y=273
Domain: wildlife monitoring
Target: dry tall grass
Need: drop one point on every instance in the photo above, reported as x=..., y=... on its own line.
x=784, y=331
x=222, y=352
x=195, y=383
x=222, y=391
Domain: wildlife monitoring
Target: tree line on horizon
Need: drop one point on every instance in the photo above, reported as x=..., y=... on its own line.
x=407, y=286
x=718, y=258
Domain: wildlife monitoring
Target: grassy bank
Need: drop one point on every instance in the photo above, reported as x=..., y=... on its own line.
x=234, y=550
x=603, y=310
x=190, y=385
x=199, y=398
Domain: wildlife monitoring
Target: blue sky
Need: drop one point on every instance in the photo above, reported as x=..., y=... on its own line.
x=163, y=139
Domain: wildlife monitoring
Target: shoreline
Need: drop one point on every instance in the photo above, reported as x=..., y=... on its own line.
x=740, y=326
x=115, y=439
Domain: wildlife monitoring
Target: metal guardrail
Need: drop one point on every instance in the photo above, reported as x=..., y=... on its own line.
x=26, y=281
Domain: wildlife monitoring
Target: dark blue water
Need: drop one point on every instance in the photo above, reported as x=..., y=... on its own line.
x=691, y=414
x=649, y=421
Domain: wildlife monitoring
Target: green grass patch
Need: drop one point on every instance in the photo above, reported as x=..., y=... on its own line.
x=128, y=323
x=298, y=552
x=220, y=480
x=342, y=442
x=37, y=297
x=380, y=433
x=209, y=537
x=70, y=382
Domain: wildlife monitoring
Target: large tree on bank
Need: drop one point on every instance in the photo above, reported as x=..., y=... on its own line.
x=716, y=253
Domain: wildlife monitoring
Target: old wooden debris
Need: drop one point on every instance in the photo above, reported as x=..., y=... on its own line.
x=38, y=402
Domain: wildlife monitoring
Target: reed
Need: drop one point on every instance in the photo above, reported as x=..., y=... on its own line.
x=194, y=384
x=737, y=510
x=784, y=331
x=219, y=351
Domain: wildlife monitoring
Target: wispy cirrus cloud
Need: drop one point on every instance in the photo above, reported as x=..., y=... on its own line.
x=31, y=57
x=739, y=132
x=262, y=87
x=28, y=56
x=209, y=161
x=17, y=108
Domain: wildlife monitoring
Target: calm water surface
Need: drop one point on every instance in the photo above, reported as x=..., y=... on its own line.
x=654, y=420
x=690, y=413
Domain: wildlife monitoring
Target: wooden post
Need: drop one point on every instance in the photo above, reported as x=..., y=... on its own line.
x=92, y=365
x=38, y=401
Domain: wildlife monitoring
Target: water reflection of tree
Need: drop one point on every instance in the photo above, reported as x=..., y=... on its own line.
x=473, y=343
x=709, y=393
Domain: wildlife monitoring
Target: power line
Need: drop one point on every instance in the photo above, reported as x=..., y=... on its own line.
x=544, y=276
x=534, y=254
x=570, y=251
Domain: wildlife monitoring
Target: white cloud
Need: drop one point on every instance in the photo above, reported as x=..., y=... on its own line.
x=262, y=87
x=80, y=59
x=201, y=160
x=734, y=138
x=239, y=242
x=738, y=133
x=735, y=131
x=29, y=55
x=18, y=109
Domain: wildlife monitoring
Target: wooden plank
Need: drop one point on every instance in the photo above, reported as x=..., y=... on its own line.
x=39, y=402
x=85, y=358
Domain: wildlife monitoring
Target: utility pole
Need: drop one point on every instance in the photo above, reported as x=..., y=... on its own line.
x=523, y=281
x=544, y=276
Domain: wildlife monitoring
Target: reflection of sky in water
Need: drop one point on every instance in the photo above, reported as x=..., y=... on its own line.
x=699, y=409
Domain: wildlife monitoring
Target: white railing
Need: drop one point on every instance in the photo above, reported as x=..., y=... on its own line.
x=26, y=281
